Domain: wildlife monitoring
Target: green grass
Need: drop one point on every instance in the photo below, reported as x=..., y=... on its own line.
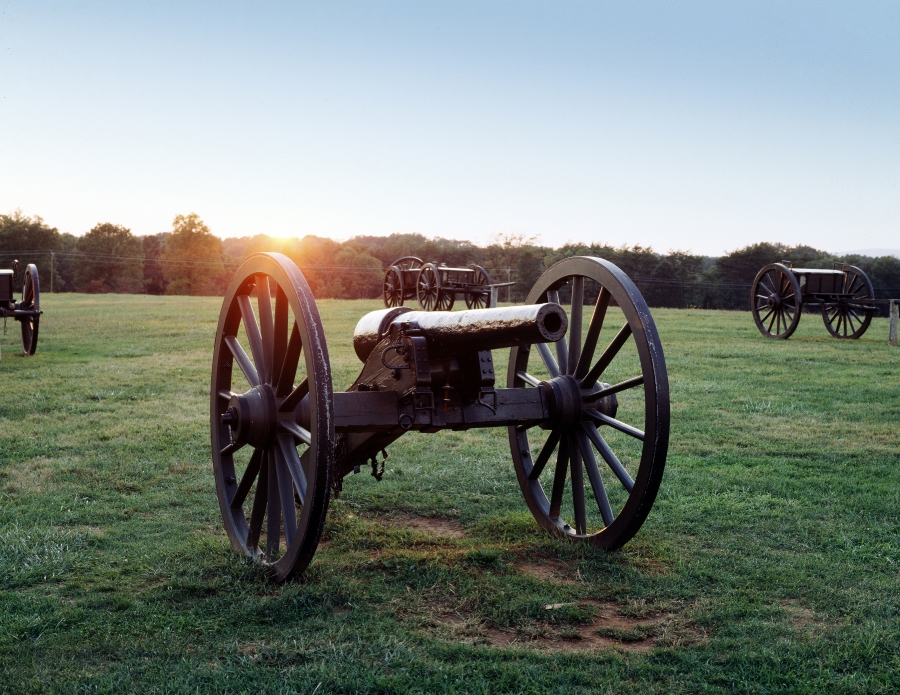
x=770, y=562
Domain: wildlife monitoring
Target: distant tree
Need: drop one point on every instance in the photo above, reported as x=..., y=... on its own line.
x=732, y=275
x=192, y=258
x=361, y=273
x=30, y=240
x=110, y=259
x=514, y=258
x=154, y=278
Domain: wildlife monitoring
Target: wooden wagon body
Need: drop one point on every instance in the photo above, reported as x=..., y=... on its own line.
x=28, y=311
x=436, y=286
x=843, y=293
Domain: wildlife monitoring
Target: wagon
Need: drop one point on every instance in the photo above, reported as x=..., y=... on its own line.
x=437, y=286
x=28, y=311
x=585, y=406
x=844, y=294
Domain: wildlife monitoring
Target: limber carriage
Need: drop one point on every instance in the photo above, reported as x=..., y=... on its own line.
x=436, y=287
x=585, y=404
x=844, y=294
x=28, y=311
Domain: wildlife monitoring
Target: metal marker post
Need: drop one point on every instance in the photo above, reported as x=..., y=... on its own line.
x=895, y=320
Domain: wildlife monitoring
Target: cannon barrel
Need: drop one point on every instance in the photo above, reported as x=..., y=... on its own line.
x=452, y=333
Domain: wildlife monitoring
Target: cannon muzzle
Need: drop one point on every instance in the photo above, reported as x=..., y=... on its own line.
x=451, y=333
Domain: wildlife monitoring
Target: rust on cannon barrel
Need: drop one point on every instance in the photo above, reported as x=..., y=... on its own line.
x=454, y=332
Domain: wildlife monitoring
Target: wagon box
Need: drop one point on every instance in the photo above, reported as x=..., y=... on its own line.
x=28, y=311
x=844, y=294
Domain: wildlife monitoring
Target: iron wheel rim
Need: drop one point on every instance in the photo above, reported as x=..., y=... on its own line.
x=576, y=443
x=776, y=301
x=837, y=316
x=271, y=470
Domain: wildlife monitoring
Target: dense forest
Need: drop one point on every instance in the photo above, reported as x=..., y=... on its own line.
x=190, y=259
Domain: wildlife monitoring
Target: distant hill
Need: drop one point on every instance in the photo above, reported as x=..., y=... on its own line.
x=875, y=252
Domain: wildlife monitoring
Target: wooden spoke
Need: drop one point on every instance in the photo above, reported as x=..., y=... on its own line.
x=528, y=379
x=593, y=333
x=549, y=362
x=226, y=395
x=266, y=327
x=229, y=449
x=590, y=463
x=611, y=460
x=562, y=349
x=559, y=479
x=577, y=487
x=299, y=432
x=252, y=329
x=546, y=452
x=243, y=488
x=294, y=397
x=597, y=416
x=286, y=495
x=259, y=503
x=273, y=514
x=242, y=360
x=608, y=356
x=294, y=465
x=288, y=370
x=575, y=320
x=615, y=388
x=282, y=307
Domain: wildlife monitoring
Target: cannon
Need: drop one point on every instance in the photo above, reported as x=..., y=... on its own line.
x=844, y=294
x=436, y=286
x=588, y=428
x=28, y=311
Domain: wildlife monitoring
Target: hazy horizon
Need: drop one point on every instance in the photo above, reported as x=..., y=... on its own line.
x=704, y=127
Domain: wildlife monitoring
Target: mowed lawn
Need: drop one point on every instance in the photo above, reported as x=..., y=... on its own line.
x=770, y=562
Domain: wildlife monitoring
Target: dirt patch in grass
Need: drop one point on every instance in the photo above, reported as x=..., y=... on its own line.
x=609, y=629
x=799, y=616
x=442, y=528
x=548, y=571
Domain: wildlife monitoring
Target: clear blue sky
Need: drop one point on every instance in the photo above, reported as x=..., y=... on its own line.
x=695, y=126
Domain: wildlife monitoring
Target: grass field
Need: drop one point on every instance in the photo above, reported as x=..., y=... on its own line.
x=769, y=564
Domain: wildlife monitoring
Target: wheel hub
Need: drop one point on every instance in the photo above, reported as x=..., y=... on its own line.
x=566, y=401
x=252, y=417
x=773, y=302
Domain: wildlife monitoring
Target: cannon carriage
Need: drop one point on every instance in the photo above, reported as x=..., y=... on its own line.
x=844, y=295
x=587, y=427
x=436, y=286
x=28, y=311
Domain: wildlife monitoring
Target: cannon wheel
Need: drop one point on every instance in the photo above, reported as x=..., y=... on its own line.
x=479, y=298
x=393, y=287
x=776, y=301
x=848, y=317
x=428, y=287
x=31, y=301
x=622, y=484
x=265, y=487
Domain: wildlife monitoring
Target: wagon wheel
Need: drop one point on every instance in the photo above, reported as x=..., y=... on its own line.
x=408, y=263
x=263, y=407
x=31, y=301
x=776, y=301
x=849, y=317
x=627, y=423
x=446, y=300
x=428, y=287
x=393, y=287
x=479, y=298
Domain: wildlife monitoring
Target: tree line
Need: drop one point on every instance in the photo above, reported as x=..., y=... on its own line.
x=191, y=260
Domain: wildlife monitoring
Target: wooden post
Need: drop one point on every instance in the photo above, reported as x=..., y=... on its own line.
x=494, y=292
x=895, y=319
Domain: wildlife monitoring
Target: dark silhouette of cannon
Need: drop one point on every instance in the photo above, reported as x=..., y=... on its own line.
x=28, y=311
x=585, y=404
x=844, y=294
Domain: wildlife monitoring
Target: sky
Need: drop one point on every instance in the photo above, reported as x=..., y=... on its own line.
x=694, y=126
